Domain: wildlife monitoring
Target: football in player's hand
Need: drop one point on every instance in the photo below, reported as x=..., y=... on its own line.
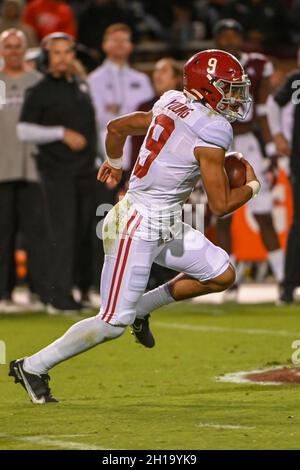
x=235, y=169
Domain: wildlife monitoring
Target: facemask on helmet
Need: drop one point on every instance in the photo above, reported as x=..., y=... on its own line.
x=236, y=101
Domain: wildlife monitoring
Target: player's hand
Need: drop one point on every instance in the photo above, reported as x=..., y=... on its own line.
x=74, y=140
x=271, y=171
x=250, y=173
x=282, y=145
x=109, y=175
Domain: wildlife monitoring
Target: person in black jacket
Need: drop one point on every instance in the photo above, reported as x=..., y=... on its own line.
x=284, y=107
x=58, y=116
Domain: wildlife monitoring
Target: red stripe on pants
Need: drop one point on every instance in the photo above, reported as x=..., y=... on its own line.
x=117, y=264
x=123, y=267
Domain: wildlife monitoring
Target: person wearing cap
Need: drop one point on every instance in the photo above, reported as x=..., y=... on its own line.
x=228, y=35
x=58, y=116
x=21, y=208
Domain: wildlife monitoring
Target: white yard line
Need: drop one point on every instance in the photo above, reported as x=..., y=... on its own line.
x=223, y=426
x=224, y=329
x=53, y=441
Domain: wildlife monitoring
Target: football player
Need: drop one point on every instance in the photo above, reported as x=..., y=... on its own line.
x=228, y=35
x=186, y=133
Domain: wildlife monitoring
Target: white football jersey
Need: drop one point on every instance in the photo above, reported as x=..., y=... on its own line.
x=166, y=170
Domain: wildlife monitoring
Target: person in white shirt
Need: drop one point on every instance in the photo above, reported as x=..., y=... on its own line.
x=116, y=87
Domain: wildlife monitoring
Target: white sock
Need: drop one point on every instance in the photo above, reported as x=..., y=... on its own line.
x=80, y=337
x=153, y=299
x=276, y=260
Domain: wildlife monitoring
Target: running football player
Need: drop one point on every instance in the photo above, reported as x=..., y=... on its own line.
x=186, y=133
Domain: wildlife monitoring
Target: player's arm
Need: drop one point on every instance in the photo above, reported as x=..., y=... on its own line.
x=117, y=132
x=275, y=124
x=281, y=97
x=263, y=93
x=269, y=116
x=221, y=199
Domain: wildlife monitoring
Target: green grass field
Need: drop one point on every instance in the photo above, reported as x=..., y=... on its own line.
x=122, y=396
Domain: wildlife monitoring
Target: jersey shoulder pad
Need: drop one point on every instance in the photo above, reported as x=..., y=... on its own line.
x=166, y=98
x=216, y=132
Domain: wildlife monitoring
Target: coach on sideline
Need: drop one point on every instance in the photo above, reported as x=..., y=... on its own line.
x=282, y=105
x=59, y=117
x=21, y=207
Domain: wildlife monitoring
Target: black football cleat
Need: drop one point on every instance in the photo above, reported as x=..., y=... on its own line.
x=286, y=295
x=37, y=386
x=141, y=330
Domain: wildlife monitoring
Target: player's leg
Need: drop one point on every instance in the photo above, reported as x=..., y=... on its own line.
x=124, y=279
x=31, y=212
x=224, y=240
x=32, y=372
x=7, y=234
x=205, y=269
x=92, y=331
x=223, y=233
x=184, y=287
x=271, y=242
x=292, y=268
x=223, y=225
x=262, y=206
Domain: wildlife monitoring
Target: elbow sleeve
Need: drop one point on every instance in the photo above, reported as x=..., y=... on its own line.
x=28, y=132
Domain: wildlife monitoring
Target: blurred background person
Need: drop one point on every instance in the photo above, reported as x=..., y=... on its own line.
x=212, y=11
x=286, y=99
x=58, y=115
x=21, y=199
x=93, y=22
x=167, y=75
x=116, y=89
x=49, y=16
x=11, y=17
x=181, y=30
x=229, y=37
x=266, y=22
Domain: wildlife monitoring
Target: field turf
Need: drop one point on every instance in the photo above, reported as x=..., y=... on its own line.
x=122, y=396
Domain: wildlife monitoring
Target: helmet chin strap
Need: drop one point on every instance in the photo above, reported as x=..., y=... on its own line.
x=200, y=98
x=193, y=95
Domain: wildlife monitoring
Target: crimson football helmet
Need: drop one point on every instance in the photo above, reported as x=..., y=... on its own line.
x=217, y=79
